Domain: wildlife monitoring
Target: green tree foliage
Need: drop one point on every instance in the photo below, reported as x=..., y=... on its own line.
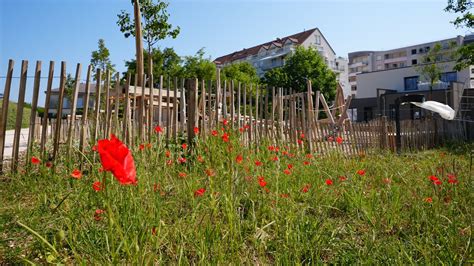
x=166, y=62
x=242, y=72
x=101, y=59
x=465, y=54
x=198, y=66
x=304, y=64
x=431, y=65
x=155, y=24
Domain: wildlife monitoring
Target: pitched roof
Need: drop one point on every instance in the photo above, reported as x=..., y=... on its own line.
x=297, y=38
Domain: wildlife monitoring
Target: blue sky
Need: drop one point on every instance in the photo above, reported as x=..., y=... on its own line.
x=68, y=30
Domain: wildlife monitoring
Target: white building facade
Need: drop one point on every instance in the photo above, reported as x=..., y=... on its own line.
x=267, y=56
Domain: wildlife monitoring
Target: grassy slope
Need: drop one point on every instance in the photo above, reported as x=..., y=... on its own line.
x=381, y=217
x=12, y=109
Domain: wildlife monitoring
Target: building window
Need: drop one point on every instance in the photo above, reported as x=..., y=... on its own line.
x=353, y=88
x=413, y=51
x=394, y=65
x=353, y=79
x=411, y=83
x=449, y=77
x=402, y=64
x=414, y=62
x=318, y=39
x=379, y=57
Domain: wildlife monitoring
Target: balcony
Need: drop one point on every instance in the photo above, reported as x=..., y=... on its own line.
x=359, y=64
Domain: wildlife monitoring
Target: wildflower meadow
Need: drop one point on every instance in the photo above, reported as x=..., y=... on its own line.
x=217, y=201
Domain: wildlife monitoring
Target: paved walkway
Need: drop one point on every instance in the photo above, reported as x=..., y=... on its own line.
x=9, y=135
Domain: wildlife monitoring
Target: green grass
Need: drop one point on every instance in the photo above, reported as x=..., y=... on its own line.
x=11, y=119
x=381, y=217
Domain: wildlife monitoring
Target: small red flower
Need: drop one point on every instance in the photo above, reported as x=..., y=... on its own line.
x=309, y=156
x=97, y=214
x=329, y=182
x=433, y=178
x=49, y=164
x=239, y=158
x=275, y=158
x=210, y=172
x=158, y=130
x=306, y=187
x=302, y=135
x=306, y=163
x=97, y=186
x=196, y=130
x=167, y=154
x=35, y=160
x=199, y=192
x=271, y=148
x=148, y=145
x=339, y=140
x=330, y=139
x=287, y=172
x=214, y=133
x=387, y=181
x=76, y=174
x=169, y=162
x=437, y=182
x=182, y=160
x=184, y=146
x=225, y=122
x=225, y=137
x=284, y=196
x=181, y=174
x=289, y=166
x=258, y=163
x=156, y=187
x=361, y=172
x=141, y=147
x=261, y=181
x=200, y=159
x=342, y=178
x=299, y=141
x=429, y=200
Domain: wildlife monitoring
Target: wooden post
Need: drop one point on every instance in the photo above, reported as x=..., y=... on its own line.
x=160, y=99
x=77, y=86
x=127, y=114
x=245, y=105
x=59, y=112
x=142, y=109
x=44, y=124
x=108, y=113
x=4, y=115
x=175, y=110
x=256, y=118
x=266, y=112
x=118, y=95
x=232, y=106
x=260, y=131
x=209, y=107
x=34, y=105
x=309, y=126
x=85, y=111
x=192, y=108
x=203, y=111
x=151, y=107
x=239, y=100
x=280, y=114
x=182, y=106
x=218, y=91
x=168, y=113
x=97, y=104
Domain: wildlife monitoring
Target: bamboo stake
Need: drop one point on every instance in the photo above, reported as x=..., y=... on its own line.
x=34, y=105
x=85, y=111
x=4, y=115
x=97, y=104
x=77, y=86
x=57, y=133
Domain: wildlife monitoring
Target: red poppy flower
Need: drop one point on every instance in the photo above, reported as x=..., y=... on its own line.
x=49, y=164
x=258, y=163
x=148, y=145
x=437, y=182
x=158, y=130
x=451, y=176
x=97, y=186
x=361, y=172
x=387, y=180
x=306, y=163
x=169, y=162
x=241, y=130
x=182, y=160
x=329, y=182
x=181, y=174
x=214, y=133
x=330, y=139
x=225, y=122
x=306, y=187
x=196, y=130
x=429, y=200
x=452, y=181
x=299, y=141
x=271, y=148
x=97, y=214
x=210, y=172
x=339, y=140
x=275, y=158
x=225, y=137
x=342, y=178
x=184, y=146
x=302, y=135
x=309, y=156
x=35, y=160
x=167, y=154
x=94, y=148
x=239, y=158
x=433, y=178
x=289, y=166
x=287, y=172
x=141, y=147
x=261, y=181
x=284, y=196
x=284, y=152
x=76, y=174
x=117, y=158
x=199, y=192
x=200, y=159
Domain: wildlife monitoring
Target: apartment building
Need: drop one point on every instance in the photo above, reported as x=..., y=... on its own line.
x=376, y=78
x=272, y=54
